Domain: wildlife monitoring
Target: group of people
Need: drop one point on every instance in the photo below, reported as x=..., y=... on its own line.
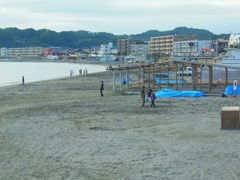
x=150, y=97
x=83, y=72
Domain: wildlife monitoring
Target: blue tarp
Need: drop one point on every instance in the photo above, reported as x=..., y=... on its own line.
x=167, y=93
x=229, y=90
x=103, y=59
x=124, y=80
x=170, y=81
x=114, y=59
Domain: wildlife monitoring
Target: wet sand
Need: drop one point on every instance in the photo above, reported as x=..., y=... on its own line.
x=64, y=129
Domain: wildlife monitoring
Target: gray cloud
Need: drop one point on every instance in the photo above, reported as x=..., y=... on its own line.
x=121, y=17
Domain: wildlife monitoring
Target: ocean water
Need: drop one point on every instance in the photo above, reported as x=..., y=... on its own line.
x=11, y=72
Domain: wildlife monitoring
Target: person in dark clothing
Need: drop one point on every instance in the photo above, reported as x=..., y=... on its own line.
x=101, y=88
x=149, y=95
x=143, y=96
x=153, y=97
x=23, y=80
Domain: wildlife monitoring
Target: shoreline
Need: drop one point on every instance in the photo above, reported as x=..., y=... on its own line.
x=60, y=72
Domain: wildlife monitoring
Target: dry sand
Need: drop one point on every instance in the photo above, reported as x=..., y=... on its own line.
x=63, y=129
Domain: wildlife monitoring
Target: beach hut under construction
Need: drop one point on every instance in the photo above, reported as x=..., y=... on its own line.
x=170, y=74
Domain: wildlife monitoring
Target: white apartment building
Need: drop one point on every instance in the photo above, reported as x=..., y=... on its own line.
x=26, y=51
x=191, y=47
x=234, y=39
x=139, y=49
x=3, y=51
x=106, y=48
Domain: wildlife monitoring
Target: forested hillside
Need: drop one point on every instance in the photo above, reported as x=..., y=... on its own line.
x=13, y=37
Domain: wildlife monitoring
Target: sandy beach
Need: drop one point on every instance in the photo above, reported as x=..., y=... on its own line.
x=64, y=129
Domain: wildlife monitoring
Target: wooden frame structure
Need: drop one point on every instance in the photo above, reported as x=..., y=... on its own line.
x=147, y=73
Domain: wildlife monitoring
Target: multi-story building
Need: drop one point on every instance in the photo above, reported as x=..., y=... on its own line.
x=139, y=49
x=191, y=47
x=234, y=40
x=27, y=51
x=106, y=48
x=55, y=51
x=219, y=46
x=164, y=44
x=124, y=45
x=35, y=51
x=3, y=52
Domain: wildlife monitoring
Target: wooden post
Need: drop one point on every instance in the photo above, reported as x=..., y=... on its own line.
x=194, y=76
x=201, y=78
x=168, y=76
x=153, y=75
x=120, y=80
x=210, y=78
x=139, y=76
x=226, y=77
x=127, y=79
x=160, y=71
x=148, y=77
x=143, y=70
x=182, y=76
x=113, y=81
x=176, y=67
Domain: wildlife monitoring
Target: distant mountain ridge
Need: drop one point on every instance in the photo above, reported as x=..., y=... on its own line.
x=14, y=37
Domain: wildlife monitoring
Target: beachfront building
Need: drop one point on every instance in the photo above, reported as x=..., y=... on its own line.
x=164, y=44
x=234, y=41
x=26, y=51
x=3, y=51
x=139, y=49
x=35, y=51
x=194, y=47
x=125, y=44
x=219, y=46
x=106, y=48
x=55, y=51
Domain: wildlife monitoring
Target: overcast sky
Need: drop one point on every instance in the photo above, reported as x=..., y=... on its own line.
x=121, y=16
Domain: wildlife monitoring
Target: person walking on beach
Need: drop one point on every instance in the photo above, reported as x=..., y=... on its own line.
x=143, y=96
x=149, y=95
x=23, y=80
x=153, y=97
x=71, y=73
x=101, y=88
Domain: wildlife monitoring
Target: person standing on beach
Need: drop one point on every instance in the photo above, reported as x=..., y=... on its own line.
x=23, y=80
x=143, y=96
x=149, y=95
x=101, y=88
x=153, y=97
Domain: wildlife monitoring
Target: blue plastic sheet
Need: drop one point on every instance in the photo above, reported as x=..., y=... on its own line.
x=103, y=59
x=229, y=90
x=170, y=81
x=167, y=93
x=124, y=80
